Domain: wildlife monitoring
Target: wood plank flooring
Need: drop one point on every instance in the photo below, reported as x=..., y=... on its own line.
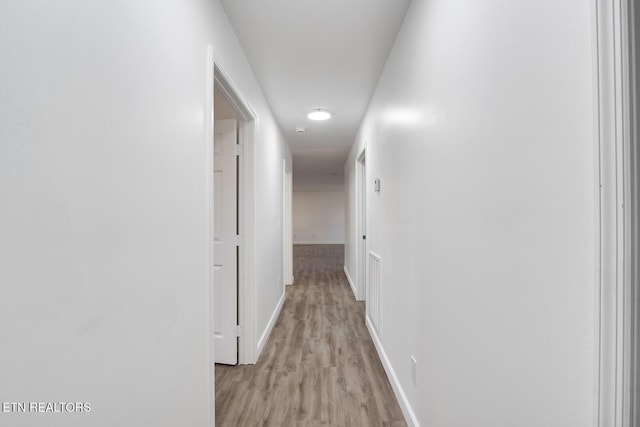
x=319, y=367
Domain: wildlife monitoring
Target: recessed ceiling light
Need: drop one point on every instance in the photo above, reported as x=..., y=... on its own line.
x=319, y=114
x=300, y=130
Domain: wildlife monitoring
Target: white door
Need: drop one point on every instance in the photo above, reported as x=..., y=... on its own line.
x=225, y=251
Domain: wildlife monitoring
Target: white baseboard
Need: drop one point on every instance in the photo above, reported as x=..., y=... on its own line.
x=353, y=288
x=317, y=242
x=290, y=281
x=267, y=331
x=407, y=411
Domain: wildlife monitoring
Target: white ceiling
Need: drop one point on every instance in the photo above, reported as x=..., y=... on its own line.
x=317, y=54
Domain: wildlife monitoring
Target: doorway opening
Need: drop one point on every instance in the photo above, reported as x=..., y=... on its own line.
x=361, y=225
x=233, y=285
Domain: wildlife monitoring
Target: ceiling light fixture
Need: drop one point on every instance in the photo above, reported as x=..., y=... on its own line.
x=319, y=114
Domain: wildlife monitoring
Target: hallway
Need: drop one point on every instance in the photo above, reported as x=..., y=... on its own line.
x=470, y=169
x=319, y=366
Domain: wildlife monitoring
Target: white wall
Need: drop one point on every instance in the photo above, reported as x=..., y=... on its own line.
x=318, y=217
x=104, y=269
x=481, y=130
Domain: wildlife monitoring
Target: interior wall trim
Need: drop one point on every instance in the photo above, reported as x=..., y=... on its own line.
x=267, y=331
x=353, y=287
x=403, y=401
x=614, y=281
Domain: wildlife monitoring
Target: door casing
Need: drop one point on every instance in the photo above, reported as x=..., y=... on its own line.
x=617, y=194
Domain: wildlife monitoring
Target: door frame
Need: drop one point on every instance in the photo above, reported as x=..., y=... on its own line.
x=361, y=224
x=287, y=223
x=246, y=251
x=632, y=217
x=617, y=194
x=633, y=213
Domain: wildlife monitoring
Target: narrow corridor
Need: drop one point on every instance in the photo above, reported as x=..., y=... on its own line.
x=319, y=366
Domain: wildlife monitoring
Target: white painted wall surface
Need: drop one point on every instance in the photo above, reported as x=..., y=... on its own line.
x=318, y=217
x=103, y=264
x=482, y=132
x=104, y=283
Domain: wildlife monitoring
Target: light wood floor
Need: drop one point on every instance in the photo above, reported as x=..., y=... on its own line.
x=319, y=367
